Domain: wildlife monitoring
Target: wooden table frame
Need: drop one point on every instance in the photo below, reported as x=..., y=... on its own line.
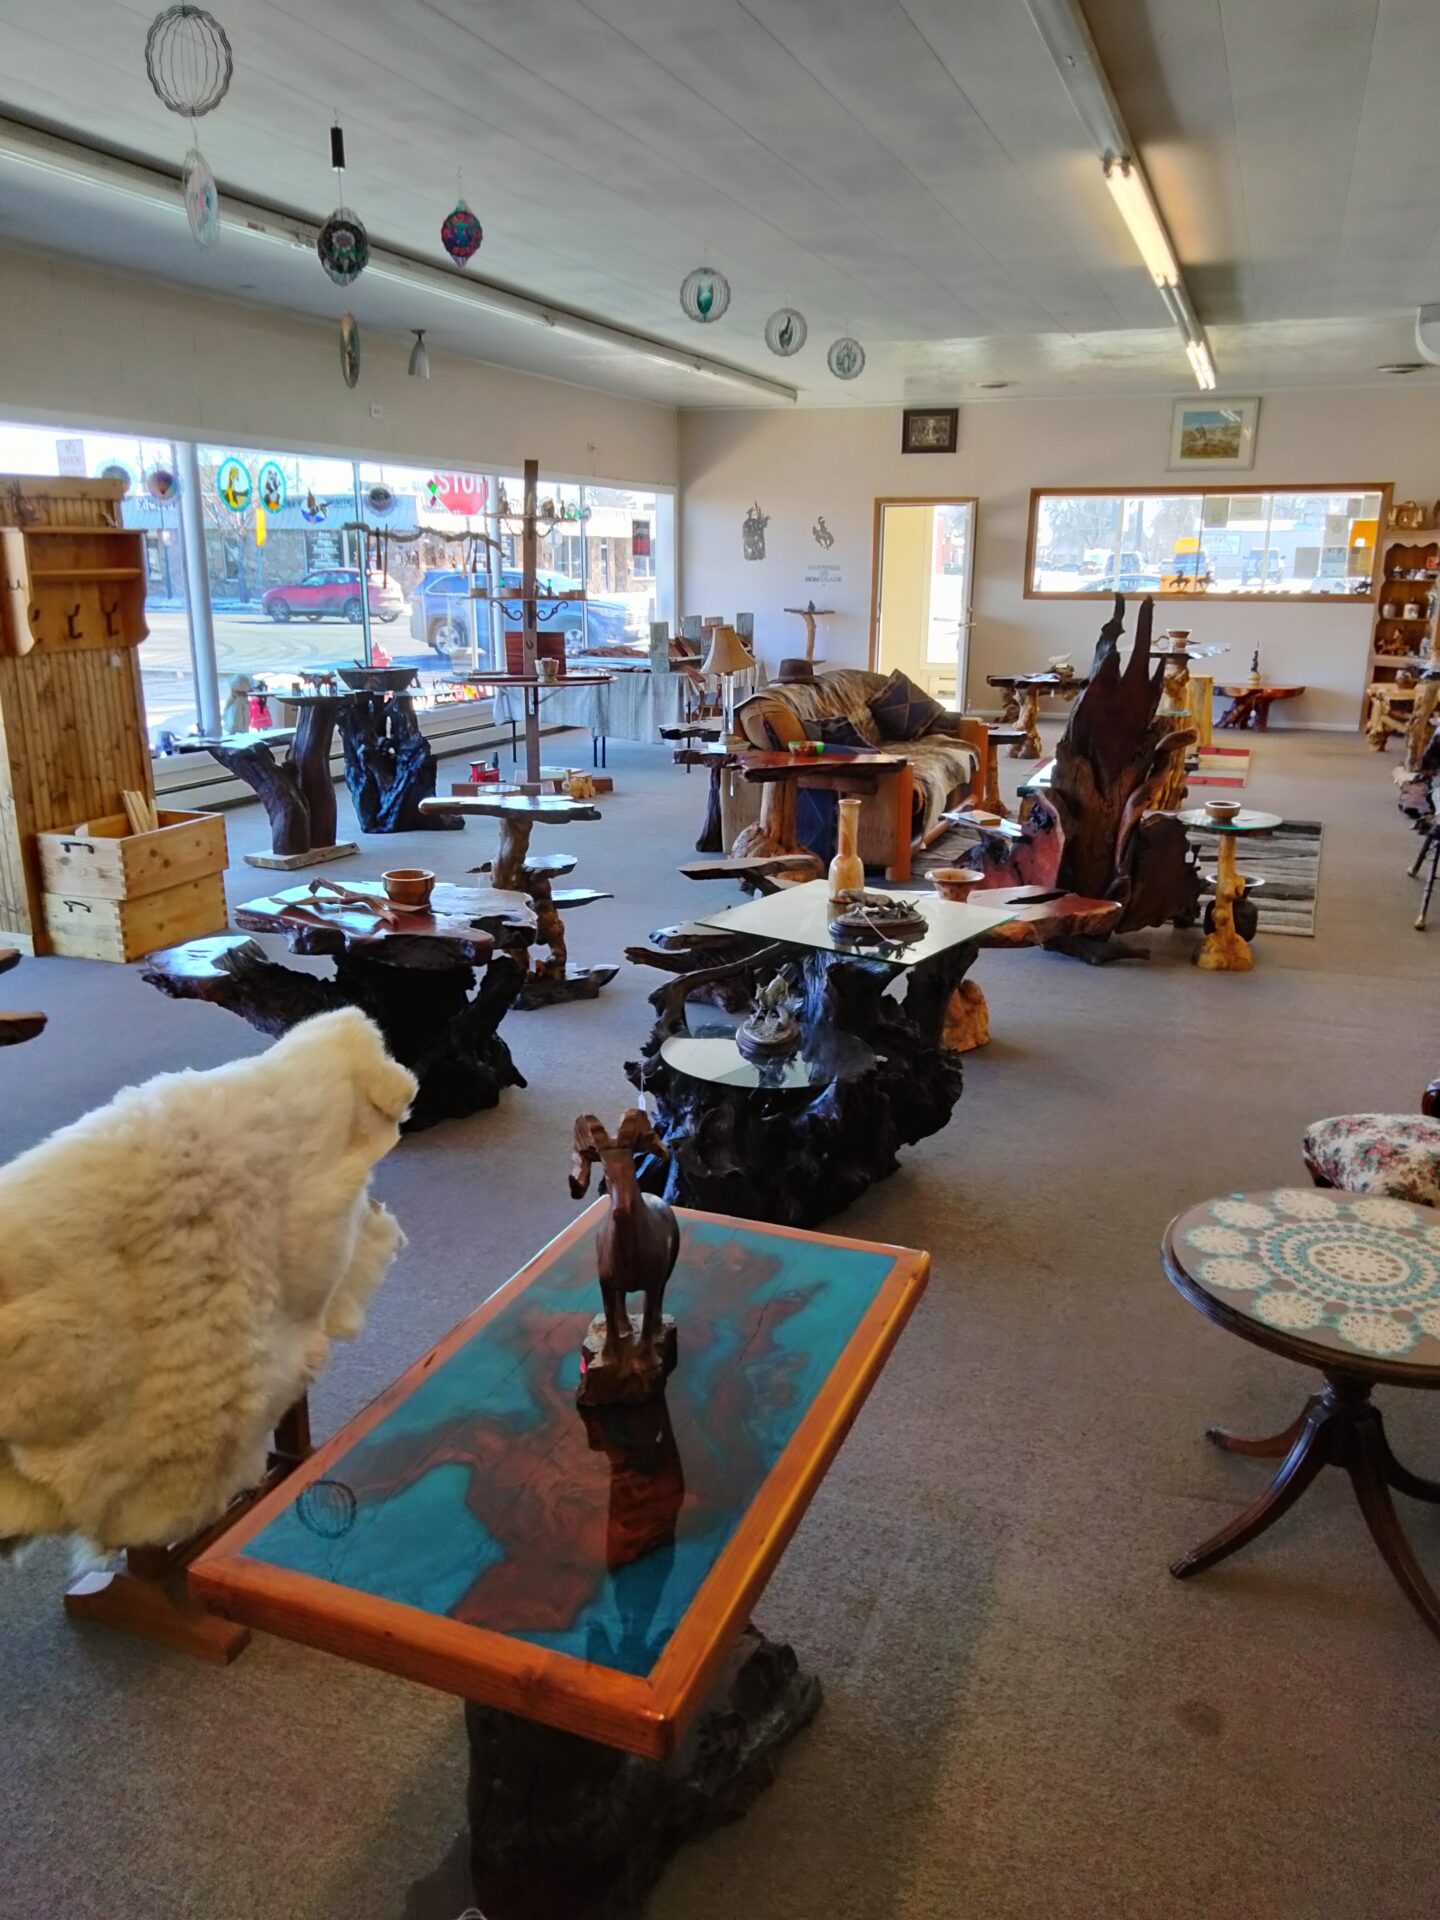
x=645, y=1717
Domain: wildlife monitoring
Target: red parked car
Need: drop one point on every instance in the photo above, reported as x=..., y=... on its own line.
x=333, y=593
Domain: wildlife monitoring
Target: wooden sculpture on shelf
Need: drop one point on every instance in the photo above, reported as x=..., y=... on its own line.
x=1094, y=829
x=625, y=1356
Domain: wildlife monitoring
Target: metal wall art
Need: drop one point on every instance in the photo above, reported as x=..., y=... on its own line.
x=188, y=59
x=821, y=534
x=202, y=199
x=846, y=358
x=461, y=234
x=786, y=332
x=350, y=349
x=343, y=244
x=752, y=532
x=704, y=295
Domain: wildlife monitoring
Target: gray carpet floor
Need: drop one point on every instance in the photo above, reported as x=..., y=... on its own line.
x=1025, y=1714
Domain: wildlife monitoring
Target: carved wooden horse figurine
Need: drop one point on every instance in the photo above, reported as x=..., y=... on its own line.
x=636, y=1249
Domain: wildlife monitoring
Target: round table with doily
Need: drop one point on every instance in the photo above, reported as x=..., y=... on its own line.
x=1346, y=1283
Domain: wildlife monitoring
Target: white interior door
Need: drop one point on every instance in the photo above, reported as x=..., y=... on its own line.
x=923, y=582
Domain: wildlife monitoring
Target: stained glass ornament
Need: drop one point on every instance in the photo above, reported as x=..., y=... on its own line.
x=233, y=484
x=350, y=349
x=343, y=246
x=846, y=358
x=704, y=295
x=188, y=59
x=161, y=483
x=380, y=499
x=461, y=234
x=786, y=332
x=202, y=199
x=271, y=482
x=314, y=512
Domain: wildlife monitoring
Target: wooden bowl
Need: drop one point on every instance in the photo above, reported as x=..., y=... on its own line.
x=1182, y=634
x=1221, y=809
x=956, y=883
x=408, y=886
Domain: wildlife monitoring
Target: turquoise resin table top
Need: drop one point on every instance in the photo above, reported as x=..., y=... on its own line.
x=482, y=1498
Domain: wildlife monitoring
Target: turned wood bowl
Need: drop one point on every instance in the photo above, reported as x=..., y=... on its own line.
x=408, y=886
x=956, y=883
x=1221, y=809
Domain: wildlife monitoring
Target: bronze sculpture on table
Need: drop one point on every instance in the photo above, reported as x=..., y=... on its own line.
x=626, y=1357
x=770, y=1030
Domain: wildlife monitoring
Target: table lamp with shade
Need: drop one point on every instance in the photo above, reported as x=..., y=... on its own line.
x=727, y=657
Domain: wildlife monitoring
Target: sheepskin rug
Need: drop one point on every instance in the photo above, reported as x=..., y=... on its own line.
x=172, y=1269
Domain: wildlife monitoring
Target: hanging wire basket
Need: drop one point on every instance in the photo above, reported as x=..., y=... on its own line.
x=188, y=59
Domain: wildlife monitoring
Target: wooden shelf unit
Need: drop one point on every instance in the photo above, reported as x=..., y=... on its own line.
x=1408, y=571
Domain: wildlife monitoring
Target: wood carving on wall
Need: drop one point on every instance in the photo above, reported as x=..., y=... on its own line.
x=1094, y=830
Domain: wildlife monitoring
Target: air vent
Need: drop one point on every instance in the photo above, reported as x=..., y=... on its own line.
x=1402, y=366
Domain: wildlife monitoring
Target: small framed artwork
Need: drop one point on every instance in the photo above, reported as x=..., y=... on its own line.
x=930, y=430
x=1208, y=436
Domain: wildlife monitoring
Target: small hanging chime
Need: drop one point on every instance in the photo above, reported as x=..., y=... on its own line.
x=343, y=244
x=704, y=295
x=461, y=233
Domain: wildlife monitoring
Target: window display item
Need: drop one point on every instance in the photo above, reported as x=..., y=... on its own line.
x=786, y=332
x=202, y=199
x=188, y=60
x=172, y=1269
x=342, y=244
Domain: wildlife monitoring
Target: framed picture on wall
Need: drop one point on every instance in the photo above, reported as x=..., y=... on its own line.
x=930, y=430
x=1208, y=435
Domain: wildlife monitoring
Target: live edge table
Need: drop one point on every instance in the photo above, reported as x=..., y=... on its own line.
x=799, y=1149
x=1348, y=1284
x=585, y=1581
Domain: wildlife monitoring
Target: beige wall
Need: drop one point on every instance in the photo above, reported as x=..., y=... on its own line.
x=834, y=462
x=90, y=349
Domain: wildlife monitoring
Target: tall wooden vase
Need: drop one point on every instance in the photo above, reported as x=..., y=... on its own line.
x=847, y=873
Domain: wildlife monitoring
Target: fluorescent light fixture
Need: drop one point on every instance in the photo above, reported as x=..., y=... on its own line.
x=1131, y=192
x=78, y=164
x=1062, y=25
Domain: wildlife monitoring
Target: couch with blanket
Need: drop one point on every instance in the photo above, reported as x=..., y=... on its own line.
x=888, y=712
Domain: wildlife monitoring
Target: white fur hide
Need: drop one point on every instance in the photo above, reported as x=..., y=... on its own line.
x=171, y=1269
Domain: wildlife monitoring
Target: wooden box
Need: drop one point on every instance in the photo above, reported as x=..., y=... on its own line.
x=87, y=928
x=103, y=860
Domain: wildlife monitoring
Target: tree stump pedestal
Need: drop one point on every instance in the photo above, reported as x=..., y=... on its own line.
x=298, y=792
x=389, y=766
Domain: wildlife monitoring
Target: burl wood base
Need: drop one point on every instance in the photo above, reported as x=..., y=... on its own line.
x=563, y=1829
x=797, y=1156
x=554, y=980
x=1225, y=948
x=1338, y=1427
x=431, y=1021
x=389, y=765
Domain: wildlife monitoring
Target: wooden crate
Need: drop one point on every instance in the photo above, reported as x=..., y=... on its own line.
x=103, y=860
x=93, y=929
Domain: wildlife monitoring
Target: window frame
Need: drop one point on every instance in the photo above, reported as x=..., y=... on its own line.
x=1384, y=488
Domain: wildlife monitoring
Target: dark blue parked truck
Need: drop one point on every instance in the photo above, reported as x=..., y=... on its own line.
x=443, y=615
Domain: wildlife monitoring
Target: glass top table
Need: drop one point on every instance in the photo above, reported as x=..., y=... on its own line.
x=1248, y=820
x=800, y=917
x=708, y=1051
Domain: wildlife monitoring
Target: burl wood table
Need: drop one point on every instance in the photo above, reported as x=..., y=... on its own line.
x=585, y=1581
x=780, y=776
x=797, y=1151
x=1250, y=706
x=515, y=867
x=1229, y=920
x=1348, y=1284
x=1037, y=917
x=1023, y=692
x=413, y=974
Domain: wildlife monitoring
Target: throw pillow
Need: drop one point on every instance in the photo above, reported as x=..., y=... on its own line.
x=839, y=730
x=902, y=710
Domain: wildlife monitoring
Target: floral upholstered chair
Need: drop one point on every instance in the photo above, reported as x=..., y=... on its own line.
x=1397, y=1154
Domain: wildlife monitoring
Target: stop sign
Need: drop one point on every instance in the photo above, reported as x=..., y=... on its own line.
x=458, y=492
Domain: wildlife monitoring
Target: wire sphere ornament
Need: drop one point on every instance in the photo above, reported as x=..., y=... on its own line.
x=786, y=332
x=846, y=358
x=202, y=199
x=343, y=246
x=704, y=295
x=461, y=234
x=188, y=59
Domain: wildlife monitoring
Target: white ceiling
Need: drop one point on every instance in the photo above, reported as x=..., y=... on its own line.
x=912, y=173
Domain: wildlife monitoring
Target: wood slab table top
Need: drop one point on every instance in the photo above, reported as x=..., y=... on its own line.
x=1039, y=914
x=559, y=684
x=1266, y=692
x=550, y=807
x=760, y=767
x=473, y=1531
x=464, y=920
x=1048, y=682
